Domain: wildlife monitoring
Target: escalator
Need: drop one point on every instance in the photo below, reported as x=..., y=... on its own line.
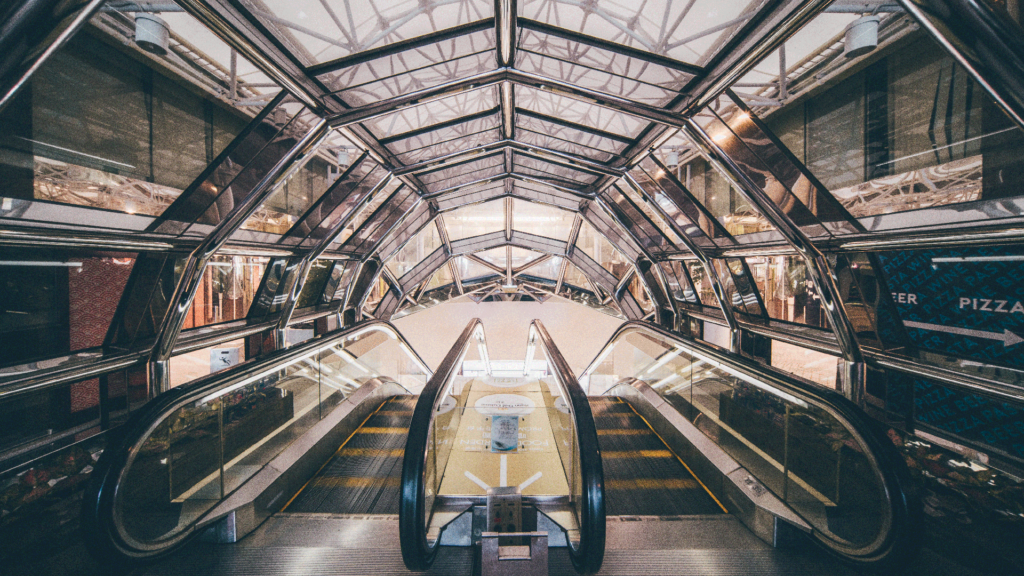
x=363, y=475
x=643, y=476
x=682, y=460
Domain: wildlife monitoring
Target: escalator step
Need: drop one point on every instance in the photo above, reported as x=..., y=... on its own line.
x=642, y=475
x=363, y=476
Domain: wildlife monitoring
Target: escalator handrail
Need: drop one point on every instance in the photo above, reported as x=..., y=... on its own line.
x=589, y=555
x=99, y=521
x=902, y=539
x=417, y=552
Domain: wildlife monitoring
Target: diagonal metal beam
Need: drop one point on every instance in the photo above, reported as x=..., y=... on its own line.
x=984, y=40
x=376, y=109
x=818, y=266
x=306, y=264
x=191, y=275
x=33, y=31
x=709, y=269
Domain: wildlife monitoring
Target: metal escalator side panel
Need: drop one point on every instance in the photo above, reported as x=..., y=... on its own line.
x=813, y=450
x=182, y=460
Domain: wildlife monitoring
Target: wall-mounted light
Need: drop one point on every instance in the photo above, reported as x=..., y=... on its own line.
x=861, y=37
x=151, y=33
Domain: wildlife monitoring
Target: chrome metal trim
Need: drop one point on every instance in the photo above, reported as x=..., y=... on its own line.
x=188, y=284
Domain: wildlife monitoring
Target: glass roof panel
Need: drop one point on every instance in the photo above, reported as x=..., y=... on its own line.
x=597, y=68
x=449, y=139
x=442, y=277
x=579, y=112
x=522, y=256
x=316, y=31
x=471, y=195
x=575, y=277
x=554, y=136
x=422, y=244
x=497, y=256
x=413, y=69
x=460, y=174
x=469, y=270
x=541, y=220
x=555, y=173
x=433, y=112
x=687, y=31
x=367, y=210
x=475, y=220
x=595, y=245
x=651, y=213
x=546, y=195
x=548, y=269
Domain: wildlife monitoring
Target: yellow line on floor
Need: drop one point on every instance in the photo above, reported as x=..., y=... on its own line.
x=623, y=432
x=704, y=486
x=637, y=454
x=652, y=484
x=388, y=430
x=328, y=461
x=353, y=482
x=386, y=453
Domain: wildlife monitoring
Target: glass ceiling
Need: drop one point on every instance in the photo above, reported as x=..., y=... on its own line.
x=563, y=130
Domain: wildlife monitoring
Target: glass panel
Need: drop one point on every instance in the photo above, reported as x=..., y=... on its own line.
x=426, y=241
x=99, y=129
x=364, y=213
x=722, y=200
x=576, y=278
x=802, y=452
x=788, y=292
x=192, y=365
x=218, y=439
x=470, y=270
x=810, y=364
x=475, y=220
x=226, y=290
x=292, y=199
x=54, y=303
x=551, y=173
x=471, y=195
x=598, y=68
x=544, y=132
x=442, y=277
x=639, y=292
x=686, y=31
x=448, y=139
x=578, y=112
x=486, y=167
x=701, y=283
x=434, y=112
x=545, y=195
x=912, y=130
x=319, y=32
x=374, y=230
x=313, y=289
x=541, y=220
x=595, y=245
x=679, y=282
x=425, y=66
x=547, y=270
x=496, y=256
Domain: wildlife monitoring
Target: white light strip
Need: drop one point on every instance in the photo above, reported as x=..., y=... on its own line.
x=665, y=358
x=752, y=381
x=954, y=259
x=40, y=263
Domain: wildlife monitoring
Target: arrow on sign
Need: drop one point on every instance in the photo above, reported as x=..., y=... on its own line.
x=1008, y=338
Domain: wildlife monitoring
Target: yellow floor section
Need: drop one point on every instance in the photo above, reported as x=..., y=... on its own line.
x=536, y=453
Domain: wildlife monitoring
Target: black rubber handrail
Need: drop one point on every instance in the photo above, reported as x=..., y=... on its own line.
x=588, y=556
x=903, y=537
x=99, y=525
x=417, y=551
